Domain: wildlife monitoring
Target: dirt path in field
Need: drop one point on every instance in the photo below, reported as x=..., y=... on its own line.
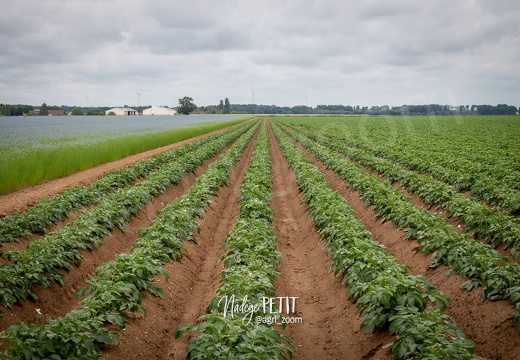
x=191, y=285
x=487, y=323
x=22, y=198
x=58, y=300
x=331, y=324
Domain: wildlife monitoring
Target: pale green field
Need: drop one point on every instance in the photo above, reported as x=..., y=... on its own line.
x=33, y=150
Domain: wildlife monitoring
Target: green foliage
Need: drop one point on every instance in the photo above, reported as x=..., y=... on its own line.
x=226, y=338
x=15, y=110
x=227, y=107
x=455, y=150
x=495, y=227
x=44, y=110
x=186, y=105
x=78, y=112
x=77, y=336
x=50, y=210
x=428, y=335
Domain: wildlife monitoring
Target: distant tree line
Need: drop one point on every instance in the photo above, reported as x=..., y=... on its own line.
x=225, y=107
x=15, y=110
x=430, y=109
x=501, y=109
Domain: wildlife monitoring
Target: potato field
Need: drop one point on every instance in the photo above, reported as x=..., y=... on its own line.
x=281, y=237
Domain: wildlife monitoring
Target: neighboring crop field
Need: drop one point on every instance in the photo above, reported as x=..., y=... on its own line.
x=359, y=237
x=34, y=149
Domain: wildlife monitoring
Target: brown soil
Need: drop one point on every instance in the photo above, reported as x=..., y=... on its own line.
x=331, y=324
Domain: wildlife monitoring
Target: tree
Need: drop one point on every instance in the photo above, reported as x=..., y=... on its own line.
x=504, y=109
x=77, y=112
x=186, y=105
x=220, y=106
x=227, y=106
x=91, y=112
x=44, y=110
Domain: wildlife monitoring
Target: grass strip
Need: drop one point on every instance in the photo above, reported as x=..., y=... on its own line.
x=41, y=165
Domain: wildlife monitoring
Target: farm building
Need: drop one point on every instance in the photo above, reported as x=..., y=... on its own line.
x=56, y=112
x=121, y=112
x=159, y=110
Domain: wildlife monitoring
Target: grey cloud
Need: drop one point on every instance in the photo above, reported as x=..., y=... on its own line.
x=113, y=48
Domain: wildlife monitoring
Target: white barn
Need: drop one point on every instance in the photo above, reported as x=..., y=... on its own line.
x=122, y=112
x=159, y=110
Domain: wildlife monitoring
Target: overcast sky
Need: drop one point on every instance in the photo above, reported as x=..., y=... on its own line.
x=291, y=52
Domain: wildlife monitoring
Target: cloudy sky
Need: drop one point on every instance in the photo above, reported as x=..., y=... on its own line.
x=291, y=52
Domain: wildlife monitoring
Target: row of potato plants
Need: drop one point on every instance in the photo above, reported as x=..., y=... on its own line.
x=481, y=263
x=469, y=147
x=384, y=293
x=251, y=265
x=42, y=261
x=486, y=168
x=50, y=210
x=452, y=170
x=496, y=227
x=118, y=285
x=495, y=161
